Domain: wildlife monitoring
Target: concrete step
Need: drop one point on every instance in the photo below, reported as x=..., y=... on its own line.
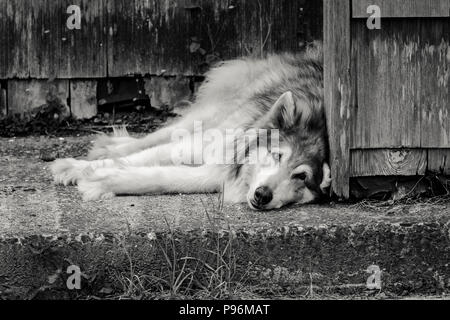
x=186, y=246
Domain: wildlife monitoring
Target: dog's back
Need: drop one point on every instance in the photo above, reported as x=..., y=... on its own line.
x=239, y=92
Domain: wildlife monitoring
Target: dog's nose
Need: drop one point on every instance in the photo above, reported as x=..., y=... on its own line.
x=263, y=195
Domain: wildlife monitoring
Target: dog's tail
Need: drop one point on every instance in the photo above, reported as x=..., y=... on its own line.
x=104, y=144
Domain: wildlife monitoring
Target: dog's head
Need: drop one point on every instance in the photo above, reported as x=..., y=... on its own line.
x=294, y=171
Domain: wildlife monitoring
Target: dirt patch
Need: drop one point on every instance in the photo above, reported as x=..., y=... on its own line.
x=48, y=122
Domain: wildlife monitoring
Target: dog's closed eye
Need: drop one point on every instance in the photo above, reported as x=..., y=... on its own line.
x=299, y=176
x=302, y=172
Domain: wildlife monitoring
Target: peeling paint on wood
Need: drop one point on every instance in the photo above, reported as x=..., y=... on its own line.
x=402, y=84
x=390, y=90
x=434, y=90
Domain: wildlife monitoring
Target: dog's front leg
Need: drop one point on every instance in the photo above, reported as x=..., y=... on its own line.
x=70, y=171
x=107, y=182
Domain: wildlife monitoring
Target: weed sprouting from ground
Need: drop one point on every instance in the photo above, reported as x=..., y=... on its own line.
x=206, y=272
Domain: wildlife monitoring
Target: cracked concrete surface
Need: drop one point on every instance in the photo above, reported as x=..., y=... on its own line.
x=336, y=241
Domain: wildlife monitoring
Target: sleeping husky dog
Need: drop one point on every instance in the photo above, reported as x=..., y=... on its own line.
x=271, y=108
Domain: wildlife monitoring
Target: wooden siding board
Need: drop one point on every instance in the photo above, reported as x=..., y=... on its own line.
x=399, y=162
x=403, y=8
x=39, y=45
x=83, y=52
x=402, y=81
x=148, y=38
x=388, y=162
x=258, y=26
x=83, y=99
x=123, y=37
x=338, y=90
x=439, y=161
x=217, y=27
x=18, y=37
x=163, y=32
x=30, y=39
x=434, y=84
x=26, y=95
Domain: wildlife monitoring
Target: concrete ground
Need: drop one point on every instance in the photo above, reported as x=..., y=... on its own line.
x=186, y=246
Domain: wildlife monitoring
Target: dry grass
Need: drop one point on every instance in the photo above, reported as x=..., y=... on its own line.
x=210, y=273
x=438, y=193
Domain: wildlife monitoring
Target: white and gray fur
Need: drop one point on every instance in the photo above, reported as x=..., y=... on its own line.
x=282, y=92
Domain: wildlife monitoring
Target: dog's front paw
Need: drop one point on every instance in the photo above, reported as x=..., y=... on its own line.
x=67, y=171
x=94, y=190
x=97, y=185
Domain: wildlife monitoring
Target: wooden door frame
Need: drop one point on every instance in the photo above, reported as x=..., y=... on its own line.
x=338, y=96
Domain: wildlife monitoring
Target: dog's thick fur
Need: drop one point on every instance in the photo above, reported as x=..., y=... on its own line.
x=283, y=92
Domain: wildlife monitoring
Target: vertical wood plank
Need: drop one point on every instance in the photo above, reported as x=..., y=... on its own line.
x=217, y=28
x=83, y=98
x=338, y=90
x=17, y=13
x=4, y=45
x=146, y=37
x=388, y=113
x=33, y=31
x=439, y=161
x=185, y=36
x=83, y=52
x=434, y=83
x=38, y=44
x=44, y=28
x=403, y=84
x=257, y=26
x=159, y=40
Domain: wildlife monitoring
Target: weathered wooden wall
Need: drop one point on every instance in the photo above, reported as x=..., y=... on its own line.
x=403, y=8
x=403, y=81
x=387, y=91
x=36, y=43
x=122, y=37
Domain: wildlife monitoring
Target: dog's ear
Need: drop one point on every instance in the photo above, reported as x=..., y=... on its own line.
x=286, y=112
